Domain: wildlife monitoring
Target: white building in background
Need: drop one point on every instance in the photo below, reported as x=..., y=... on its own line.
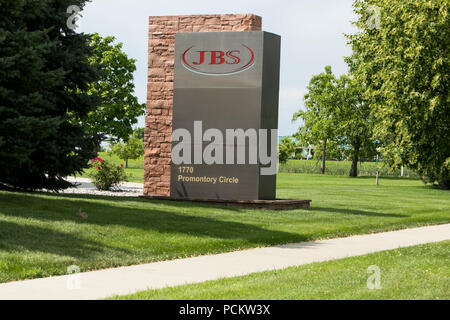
x=306, y=153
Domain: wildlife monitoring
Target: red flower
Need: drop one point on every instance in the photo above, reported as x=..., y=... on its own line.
x=99, y=167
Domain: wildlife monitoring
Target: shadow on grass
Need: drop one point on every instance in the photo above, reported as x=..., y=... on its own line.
x=167, y=203
x=58, y=208
x=19, y=237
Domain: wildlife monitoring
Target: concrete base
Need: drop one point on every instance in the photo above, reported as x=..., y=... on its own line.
x=277, y=204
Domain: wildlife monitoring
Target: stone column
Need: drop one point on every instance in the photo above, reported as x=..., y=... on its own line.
x=158, y=122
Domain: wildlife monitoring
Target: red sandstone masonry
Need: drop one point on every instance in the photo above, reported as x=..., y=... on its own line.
x=161, y=49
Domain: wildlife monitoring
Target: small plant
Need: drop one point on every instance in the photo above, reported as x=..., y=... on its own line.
x=286, y=149
x=105, y=175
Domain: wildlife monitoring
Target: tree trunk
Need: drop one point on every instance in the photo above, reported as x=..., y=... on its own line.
x=96, y=149
x=324, y=156
x=126, y=163
x=98, y=138
x=354, y=168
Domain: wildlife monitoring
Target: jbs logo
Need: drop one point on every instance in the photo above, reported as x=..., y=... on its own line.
x=218, y=62
x=218, y=57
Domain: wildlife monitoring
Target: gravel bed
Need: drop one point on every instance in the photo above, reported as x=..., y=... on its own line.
x=84, y=186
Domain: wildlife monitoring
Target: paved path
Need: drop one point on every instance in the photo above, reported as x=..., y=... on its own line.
x=105, y=283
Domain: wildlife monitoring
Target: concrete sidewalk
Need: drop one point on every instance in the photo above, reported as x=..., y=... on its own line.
x=105, y=283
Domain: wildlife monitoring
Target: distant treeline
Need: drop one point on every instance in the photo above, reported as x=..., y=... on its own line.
x=343, y=168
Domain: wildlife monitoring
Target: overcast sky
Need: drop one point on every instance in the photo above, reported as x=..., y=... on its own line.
x=311, y=34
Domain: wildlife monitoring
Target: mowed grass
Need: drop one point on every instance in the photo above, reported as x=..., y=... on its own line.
x=420, y=272
x=343, y=168
x=134, y=172
x=40, y=234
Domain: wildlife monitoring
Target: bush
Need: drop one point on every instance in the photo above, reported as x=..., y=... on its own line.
x=441, y=178
x=285, y=149
x=105, y=175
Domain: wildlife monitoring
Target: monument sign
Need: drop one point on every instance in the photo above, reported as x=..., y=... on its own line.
x=225, y=115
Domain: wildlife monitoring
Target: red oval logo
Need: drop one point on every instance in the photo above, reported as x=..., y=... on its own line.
x=218, y=62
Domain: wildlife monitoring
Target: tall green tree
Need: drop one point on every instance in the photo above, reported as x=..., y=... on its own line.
x=45, y=74
x=320, y=101
x=403, y=63
x=353, y=122
x=114, y=117
x=336, y=113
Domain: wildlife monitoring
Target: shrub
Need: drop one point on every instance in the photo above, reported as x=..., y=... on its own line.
x=439, y=178
x=105, y=175
x=285, y=149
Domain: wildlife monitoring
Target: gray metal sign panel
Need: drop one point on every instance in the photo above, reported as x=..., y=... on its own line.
x=227, y=80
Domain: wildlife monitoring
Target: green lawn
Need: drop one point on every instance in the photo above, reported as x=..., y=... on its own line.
x=40, y=235
x=421, y=272
x=343, y=168
x=137, y=163
x=135, y=170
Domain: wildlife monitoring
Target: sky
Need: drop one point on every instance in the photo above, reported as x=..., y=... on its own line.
x=312, y=37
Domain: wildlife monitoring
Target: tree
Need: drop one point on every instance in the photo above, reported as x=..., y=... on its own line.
x=44, y=75
x=334, y=150
x=132, y=149
x=119, y=110
x=319, y=102
x=140, y=133
x=403, y=63
x=353, y=122
x=286, y=148
x=337, y=114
